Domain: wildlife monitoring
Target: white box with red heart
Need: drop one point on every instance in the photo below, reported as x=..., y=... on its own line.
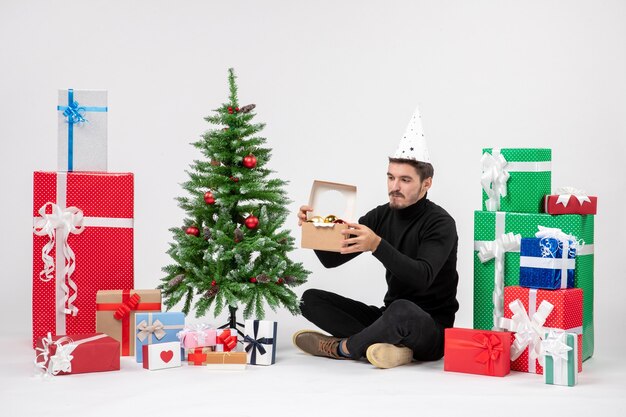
x=161, y=355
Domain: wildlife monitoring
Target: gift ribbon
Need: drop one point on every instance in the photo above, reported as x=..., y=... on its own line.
x=489, y=345
x=61, y=360
x=156, y=328
x=228, y=340
x=496, y=249
x=71, y=220
x=495, y=175
x=528, y=327
x=66, y=221
x=75, y=115
x=256, y=343
x=566, y=193
x=197, y=356
x=197, y=330
x=123, y=312
x=559, y=356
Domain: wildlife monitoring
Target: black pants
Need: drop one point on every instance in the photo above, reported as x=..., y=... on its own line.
x=401, y=323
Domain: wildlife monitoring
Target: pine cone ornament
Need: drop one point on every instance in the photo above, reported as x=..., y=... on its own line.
x=282, y=241
x=263, y=279
x=289, y=280
x=211, y=292
x=206, y=232
x=247, y=108
x=176, y=280
x=238, y=235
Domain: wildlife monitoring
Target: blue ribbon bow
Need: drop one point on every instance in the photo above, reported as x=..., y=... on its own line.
x=256, y=344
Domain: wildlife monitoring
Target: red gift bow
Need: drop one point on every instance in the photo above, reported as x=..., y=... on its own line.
x=196, y=356
x=490, y=348
x=229, y=341
x=124, y=309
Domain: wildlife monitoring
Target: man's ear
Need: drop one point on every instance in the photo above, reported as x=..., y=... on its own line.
x=428, y=182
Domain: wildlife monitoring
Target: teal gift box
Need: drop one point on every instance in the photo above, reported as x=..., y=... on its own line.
x=560, y=358
x=151, y=328
x=492, y=229
x=516, y=180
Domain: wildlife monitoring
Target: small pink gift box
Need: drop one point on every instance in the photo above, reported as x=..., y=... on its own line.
x=199, y=335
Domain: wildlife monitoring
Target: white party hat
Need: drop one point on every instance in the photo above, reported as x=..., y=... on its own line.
x=413, y=143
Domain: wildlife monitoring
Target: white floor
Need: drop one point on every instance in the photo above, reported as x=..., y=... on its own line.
x=301, y=385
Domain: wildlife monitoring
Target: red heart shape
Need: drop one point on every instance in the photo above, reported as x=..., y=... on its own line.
x=167, y=355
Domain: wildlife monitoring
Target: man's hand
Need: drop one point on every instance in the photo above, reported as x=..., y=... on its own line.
x=363, y=240
x=302, y=214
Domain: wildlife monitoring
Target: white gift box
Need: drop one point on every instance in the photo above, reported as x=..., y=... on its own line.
x=82, y=130
x=161, y=355
x=260, y=341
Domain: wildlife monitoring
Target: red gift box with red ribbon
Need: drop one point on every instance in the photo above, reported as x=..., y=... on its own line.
x=530, y=313
x=77, y=354
x=480, y=352
x=115, y=314
x=82, y=243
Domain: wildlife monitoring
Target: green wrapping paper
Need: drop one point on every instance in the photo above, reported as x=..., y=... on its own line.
x=530, y=179
x=526, y=224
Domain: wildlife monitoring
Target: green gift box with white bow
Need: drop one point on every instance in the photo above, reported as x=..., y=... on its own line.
x=560, y=352
x=516, y=180
x=497, y=262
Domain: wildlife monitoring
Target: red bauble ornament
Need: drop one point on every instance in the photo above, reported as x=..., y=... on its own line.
x=252, y=222
x=280, y=281
x=253, y=280
x=230, y=110
x=237, y=109
x=192, y=230
x=249, y=161
x=208, y=198
x=234, y=179
x=213, y=283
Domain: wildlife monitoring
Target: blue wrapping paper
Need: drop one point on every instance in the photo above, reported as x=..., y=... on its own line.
x=543, y=266
x=152, y=328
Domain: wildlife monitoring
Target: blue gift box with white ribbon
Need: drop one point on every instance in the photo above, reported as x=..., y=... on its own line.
x=260, y=341
x=152, y=328
x=82, y=130
x=547, y=263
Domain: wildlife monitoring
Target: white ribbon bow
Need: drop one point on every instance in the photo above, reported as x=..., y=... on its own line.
x=507, y=242
x=69, y=220
x=566, y=242
x=61, y=361
x=198, y=330
x=554, y=345
x=155, y=328
x=494, y=178
x=529, y=330
x=565, y=193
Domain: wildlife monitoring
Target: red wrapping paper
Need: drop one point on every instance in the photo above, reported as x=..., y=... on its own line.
x=95, y=356
x=480, y=352
x=567, y=315
x=103, y=253
x=573, y=205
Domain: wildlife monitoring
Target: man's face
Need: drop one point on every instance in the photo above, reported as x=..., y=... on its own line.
x=404, y=185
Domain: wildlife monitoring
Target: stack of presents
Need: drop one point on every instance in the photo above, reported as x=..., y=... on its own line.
x=86, y=312
x=533, y=274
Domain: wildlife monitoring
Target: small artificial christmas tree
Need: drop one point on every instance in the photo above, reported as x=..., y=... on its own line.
x=231, y=250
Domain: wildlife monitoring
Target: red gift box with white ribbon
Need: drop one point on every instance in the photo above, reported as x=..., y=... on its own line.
x=530, y=313
x=82, y=243
x=568, y=200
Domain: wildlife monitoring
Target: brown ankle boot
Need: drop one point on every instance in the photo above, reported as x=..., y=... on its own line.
x=317, y=344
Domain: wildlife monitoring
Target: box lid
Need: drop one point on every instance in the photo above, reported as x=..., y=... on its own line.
x=328, y=198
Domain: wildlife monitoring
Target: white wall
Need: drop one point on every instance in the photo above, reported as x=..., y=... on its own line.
x=336, y=83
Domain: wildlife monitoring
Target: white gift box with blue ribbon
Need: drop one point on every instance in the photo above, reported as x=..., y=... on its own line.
x=260, y=341
x=82, y=130
x=548, y=261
